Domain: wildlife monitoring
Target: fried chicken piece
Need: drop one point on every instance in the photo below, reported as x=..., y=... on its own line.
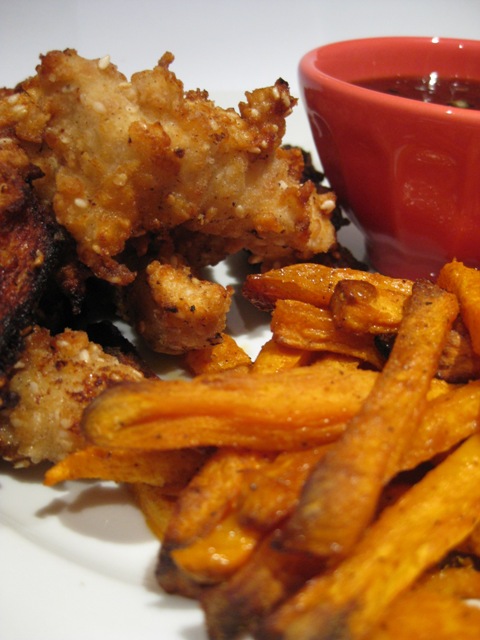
x=131, y=164
x=124, y=159
x=55, y=378
x=30, y=241
x=174, y=311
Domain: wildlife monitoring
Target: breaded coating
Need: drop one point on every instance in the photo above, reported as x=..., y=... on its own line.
x=131, y=165
x=30, y=241
x=55, y=378
x=146, y=156
x=176, y=312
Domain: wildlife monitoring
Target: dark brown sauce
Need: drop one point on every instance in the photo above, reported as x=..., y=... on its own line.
x=452, y=92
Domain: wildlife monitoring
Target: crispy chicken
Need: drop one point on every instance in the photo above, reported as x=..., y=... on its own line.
x=138, y=185
x=54, y=379
x=130, y=165
x=30, y=241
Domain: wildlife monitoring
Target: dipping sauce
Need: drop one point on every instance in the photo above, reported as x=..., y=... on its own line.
x=452, y=92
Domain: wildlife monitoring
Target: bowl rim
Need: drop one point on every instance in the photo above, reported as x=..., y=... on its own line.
x=310, y=74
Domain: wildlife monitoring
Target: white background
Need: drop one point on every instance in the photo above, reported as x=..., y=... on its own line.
x=218, y=44
x=77, y=561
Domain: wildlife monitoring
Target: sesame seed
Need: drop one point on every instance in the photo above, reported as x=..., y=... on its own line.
x=39, y=258
x=19, y=110
x=84, y=356
x=34, y=388
x=99, y=107
x=275, y=93
x=13, y=99
x=328, y=205
x=81, y=203
x=104, y=62
x=120, y=179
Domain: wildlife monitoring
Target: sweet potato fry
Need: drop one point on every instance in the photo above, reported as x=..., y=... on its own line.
x=204, y=503
x=312, y=283
x=171, y=470
x=440, y=595
x=361, y=307
x=416, y=532
x=340, y=497
x=464, y=282
x=292, y=409
x=269, y=494
x=210, y=495
x=303, y=326
x=447, y=420
x=223, y=356
x=457, y=576
x=274, y=357
x=216, y=556
x=459, y=363
x=239, y=604
x=156, y=506
x=472, y=544
x=444, y=616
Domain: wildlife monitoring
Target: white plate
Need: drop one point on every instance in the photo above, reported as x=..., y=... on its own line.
x=80, y=556
x=78, y=560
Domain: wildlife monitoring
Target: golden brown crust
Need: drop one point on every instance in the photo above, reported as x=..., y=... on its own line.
x=174, y=311
x=124, y=159
x=55, y=378
x=132, y=165
x=29, y=245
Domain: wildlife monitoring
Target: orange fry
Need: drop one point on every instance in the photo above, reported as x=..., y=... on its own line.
x=156, y=506
x=267, y=578
x=210, y=495
x=223, y=356
x=312, y=283
x=360, y=306
x=408, y=538
x=274, y=357
x=464, y=282
x=291, y=409
x=440, y=596
x=269, y=494
x=198, y=514
x=459, y=363
x=444, y=616
x=340, y=497
x=303, y=326
x=171, y=470
x=216, y=556
x=448, y=419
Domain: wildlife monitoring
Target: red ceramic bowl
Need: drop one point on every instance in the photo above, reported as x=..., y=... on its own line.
x=407, y=172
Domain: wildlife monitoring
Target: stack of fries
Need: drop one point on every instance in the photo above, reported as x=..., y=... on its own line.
x=328, y=489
